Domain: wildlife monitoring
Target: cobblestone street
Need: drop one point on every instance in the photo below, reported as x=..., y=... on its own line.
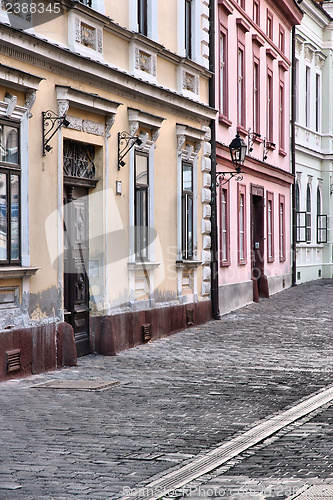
x=175, y=399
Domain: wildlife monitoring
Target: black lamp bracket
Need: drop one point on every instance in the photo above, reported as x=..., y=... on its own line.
x=224, y=177
x=267, y=145
x=251, y=136
x=125, y=144
x=51, y=124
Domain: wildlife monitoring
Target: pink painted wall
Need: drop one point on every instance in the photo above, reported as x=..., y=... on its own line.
x=263, y=36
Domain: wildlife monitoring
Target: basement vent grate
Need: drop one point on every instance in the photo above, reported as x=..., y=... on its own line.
x=13, y=360
x=146, y=332
x=190, y=317
x=77, y=385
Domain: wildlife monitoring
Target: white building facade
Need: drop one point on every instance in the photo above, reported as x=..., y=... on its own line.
x=313, y=142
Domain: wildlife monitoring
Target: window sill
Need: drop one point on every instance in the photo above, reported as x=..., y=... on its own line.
x=17, y=272
x=282, y=152
x=242, y=130
x=223, y=120
x=270, y=260
x=146, y=265
x=242, y=262
x=225, y=263
x=189, y=264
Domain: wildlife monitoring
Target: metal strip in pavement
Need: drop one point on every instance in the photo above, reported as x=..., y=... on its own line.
x=228, y=450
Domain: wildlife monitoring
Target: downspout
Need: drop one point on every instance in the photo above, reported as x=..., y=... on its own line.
x=293, y=158
x=214, y=263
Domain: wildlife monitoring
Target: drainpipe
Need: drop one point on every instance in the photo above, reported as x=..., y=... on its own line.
x=293, y=158
x=214, y=263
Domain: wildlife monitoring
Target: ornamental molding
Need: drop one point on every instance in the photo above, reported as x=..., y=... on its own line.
x=192, y=135
x=319, y=59
x=299, y=39
x=309, y=51
x=30, y=98
x=310, y=179
x=138, y=118
x=18, y=79
x=298, y=177
x=109, y=122
x=93, y=127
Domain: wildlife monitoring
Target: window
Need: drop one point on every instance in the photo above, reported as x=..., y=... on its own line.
x=298, y=215
x=188, y=28
x=256, y=99
x=308, y=214
x=240, y=88
x=256, y=12
x=241, y=3
x=282, y=242
x=269, y=25
x=224, y=227
x=142, y=17
x=269, y=121
x=141, y=205
x=297, y=89
x=223, y=74
x=307, y=97
x=270, y=227
x=187, y=210
x=9, y=194
x=281, y=39
x=281, y=117
x=87, y=2
x=321, y=220
x=318, y=92
x=241, y=225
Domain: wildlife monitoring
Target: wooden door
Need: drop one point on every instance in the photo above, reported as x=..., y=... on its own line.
x=76, y=255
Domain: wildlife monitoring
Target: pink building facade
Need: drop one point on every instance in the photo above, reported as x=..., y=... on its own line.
x=253, y=98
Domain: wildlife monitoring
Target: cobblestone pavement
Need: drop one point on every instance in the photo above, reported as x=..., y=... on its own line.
x=176, y=398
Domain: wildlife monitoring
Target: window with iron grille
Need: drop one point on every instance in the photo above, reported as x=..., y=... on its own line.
x=10, y=200
x=187, y=210
x=321, y=220
x=308, y=214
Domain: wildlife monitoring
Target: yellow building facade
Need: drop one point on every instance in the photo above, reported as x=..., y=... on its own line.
x=104, y=176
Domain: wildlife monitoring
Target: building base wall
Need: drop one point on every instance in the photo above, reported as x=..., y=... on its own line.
x=278, y=283
x=42, y=348
x=111, y=334
x=234, y=296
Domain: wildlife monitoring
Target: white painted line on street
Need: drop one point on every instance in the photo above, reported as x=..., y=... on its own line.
x=227, y=450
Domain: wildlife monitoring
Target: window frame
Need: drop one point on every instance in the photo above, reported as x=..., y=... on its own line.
x=318, y=102
x=282, y=228
x=308, y=217
x=256, y=95
x=142, y=12
x=186, y=195
x=224, y=226
x=282, y=116
x=9, y=169
x=241, y=225
x=256, y=12
x=270, y=226
x=269, y=105
x=307, y=96
x=282, y=39
x=141, y=253
x=241, y=85
x=188, y=29
x=269, y=24
x=223, y=73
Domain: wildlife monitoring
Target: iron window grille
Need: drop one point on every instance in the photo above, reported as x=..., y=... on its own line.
x=10, y=189
x=78, y=159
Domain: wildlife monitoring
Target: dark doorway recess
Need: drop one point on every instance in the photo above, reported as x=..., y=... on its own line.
x=260, y=284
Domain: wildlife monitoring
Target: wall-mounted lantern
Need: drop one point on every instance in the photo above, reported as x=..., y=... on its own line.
x=125, y=144
x=237, y=149
x=51, y=124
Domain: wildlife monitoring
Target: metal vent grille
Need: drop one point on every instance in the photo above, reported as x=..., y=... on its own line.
x=13, y=360
x=190, y=317
x=146, y=332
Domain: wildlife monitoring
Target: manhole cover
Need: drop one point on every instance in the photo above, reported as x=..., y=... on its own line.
x=77, y=385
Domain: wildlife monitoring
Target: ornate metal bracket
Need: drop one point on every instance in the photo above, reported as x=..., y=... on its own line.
x=125, y=144
x=51, y=124
x=250, y=139
x=267, y=145
x=221, y=178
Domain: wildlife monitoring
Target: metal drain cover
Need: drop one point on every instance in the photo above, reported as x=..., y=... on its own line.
x=77, y=385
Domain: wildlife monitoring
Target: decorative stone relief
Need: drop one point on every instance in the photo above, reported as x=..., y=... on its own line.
x=75, y=123
x=155, y=134
x=30, y=98
x=63, y=106
x=180, y=143
x=109, y=122
x=133, y=127
x=308, y=52
x=319, y=60
x=190, y=82
x=298, y=176
x=88, y=36
x=77, y=30
x=310, y=179
x=320, y=182
x=93, y=127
